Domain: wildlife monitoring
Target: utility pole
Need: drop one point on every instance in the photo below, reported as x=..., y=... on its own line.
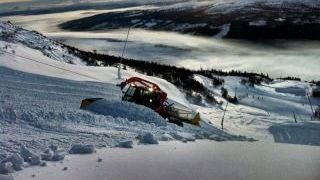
x=294, y=116
x=235, y=91
x=123, y=50
x=310, y=106
x=224, y=113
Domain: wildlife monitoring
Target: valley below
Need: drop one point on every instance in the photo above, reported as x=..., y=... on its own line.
x=180, y=47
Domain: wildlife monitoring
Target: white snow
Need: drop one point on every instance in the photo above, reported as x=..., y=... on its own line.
x=35, y=40
x=264, y=106
x=51, y=68
x=202, y=160
x=6, y=167
x=148, y=138
x=40, y=99
x=16, y=160
x=126, y=144
x=132, y=112
x=29, y=156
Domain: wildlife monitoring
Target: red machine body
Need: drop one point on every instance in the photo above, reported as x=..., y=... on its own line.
x=146, y=93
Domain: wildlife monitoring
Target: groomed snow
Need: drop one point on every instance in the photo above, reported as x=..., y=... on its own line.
x=201, y=160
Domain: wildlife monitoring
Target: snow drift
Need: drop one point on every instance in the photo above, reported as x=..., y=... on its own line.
x=131, y=111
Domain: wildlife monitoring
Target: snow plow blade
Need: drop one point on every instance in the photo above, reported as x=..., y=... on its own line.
x=86, y=102
x=196, y=120
x=183, y=114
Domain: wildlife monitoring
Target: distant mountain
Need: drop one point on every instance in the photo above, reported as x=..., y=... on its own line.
x=33, y=7
x=257, y=19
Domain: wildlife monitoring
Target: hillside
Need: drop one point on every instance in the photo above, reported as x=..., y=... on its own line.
x=41, y=98
x=257, y=19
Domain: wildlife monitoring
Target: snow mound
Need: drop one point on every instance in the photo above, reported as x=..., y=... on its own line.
x=16, y=160
x=126, y=144
x=82, y=149
x=130, y=111
x=29, y=156
x=47, y=155
x=166, y=137
x=148, y=138
x=6, y=167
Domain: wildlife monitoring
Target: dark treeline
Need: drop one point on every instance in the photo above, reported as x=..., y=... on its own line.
x=317, y=83
x=290, y=78
x=179, y=76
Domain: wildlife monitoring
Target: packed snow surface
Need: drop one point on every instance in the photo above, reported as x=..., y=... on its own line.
x=203, y=160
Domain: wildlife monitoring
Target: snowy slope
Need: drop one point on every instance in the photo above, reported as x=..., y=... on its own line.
x=265, y=108
x=40, y=99
x=46, y=109
x=40, y=96
x=34, y=40
x=78, y=73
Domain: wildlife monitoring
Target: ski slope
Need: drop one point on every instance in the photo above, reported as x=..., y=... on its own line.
x=46, y=111
x=266, y=111
x=40, y=100
x=40, y=95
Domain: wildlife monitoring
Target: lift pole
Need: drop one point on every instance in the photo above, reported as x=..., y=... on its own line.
x=123, y=50
x=224, y=113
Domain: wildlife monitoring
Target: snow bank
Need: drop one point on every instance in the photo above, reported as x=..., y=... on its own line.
x=126, y=144
x=148, y=138
x=47, y=155
x=166, y=137
x=16, y=160
x=29, y=156
x=131, y=111
x=53, y=154
x=6, y=167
